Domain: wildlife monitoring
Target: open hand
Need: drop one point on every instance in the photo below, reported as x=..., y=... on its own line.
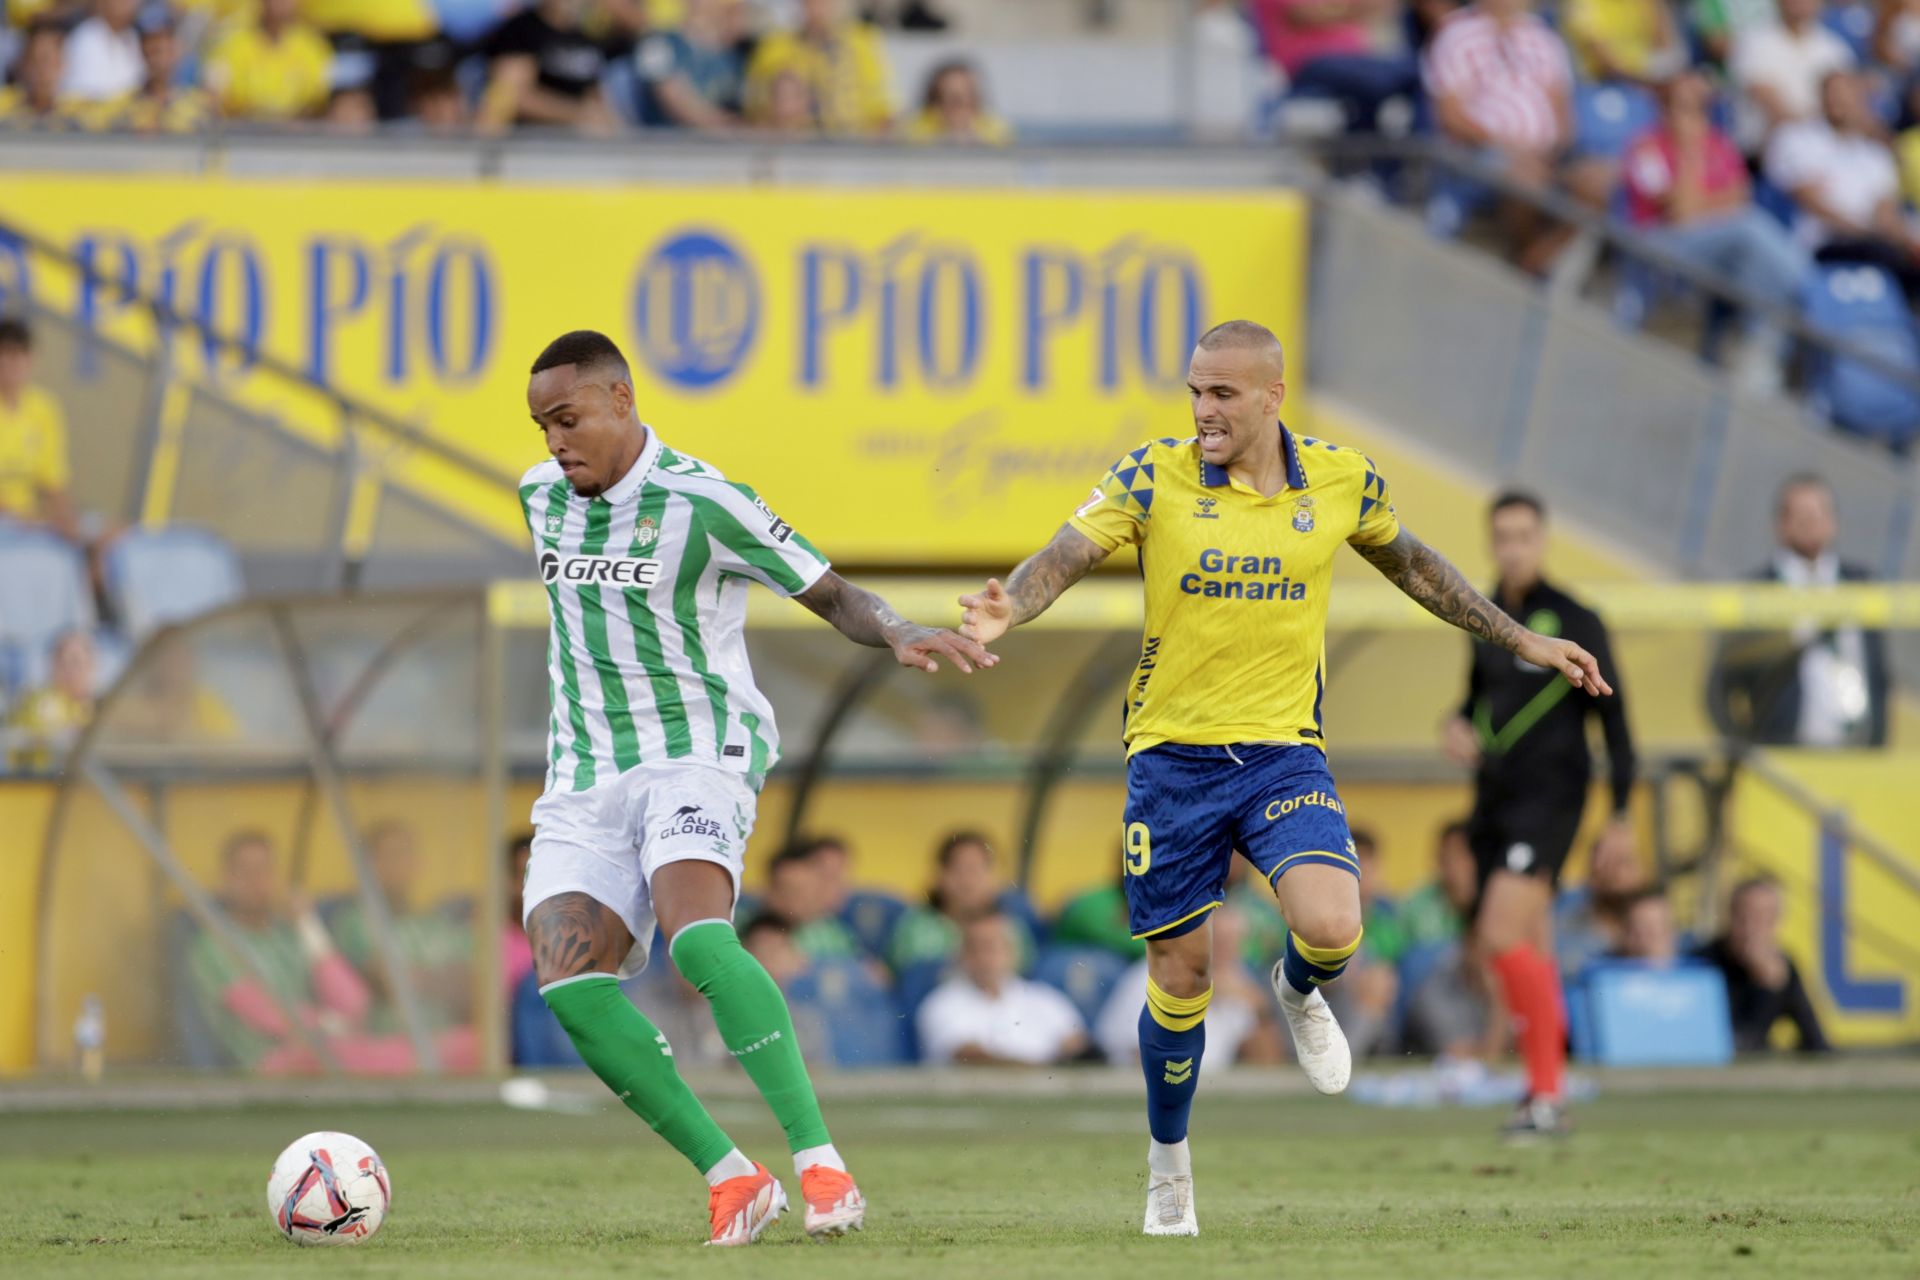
x=986, y=615
x=922, y=647
x=1566, y=657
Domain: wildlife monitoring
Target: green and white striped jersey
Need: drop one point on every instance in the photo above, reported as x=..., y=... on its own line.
x=646, y=600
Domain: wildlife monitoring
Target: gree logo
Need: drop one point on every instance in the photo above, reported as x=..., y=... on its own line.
x=586, y=571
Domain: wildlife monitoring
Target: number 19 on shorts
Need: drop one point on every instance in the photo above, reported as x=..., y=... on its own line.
x=1138, y=843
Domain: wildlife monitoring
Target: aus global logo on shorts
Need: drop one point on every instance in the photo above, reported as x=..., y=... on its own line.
x=1324, y=799
x=696, y=309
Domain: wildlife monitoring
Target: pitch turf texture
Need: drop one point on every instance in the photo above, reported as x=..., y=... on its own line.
x=1806, y=1184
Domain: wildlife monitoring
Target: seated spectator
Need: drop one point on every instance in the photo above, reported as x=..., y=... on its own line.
x=1630, y=41
x=103, y=54
x=380, y=47
x=36, y=99
x=1436, y=910
x=168, y=703
x=1241, y=1026
x=516, y=953
x=1590, y=921
x=1763, y=983
x=1687, y=187
x=290, y=978
x=435, y=945
x=1450, y=1013
x=546, y=70
x=1266, y=929
x=769, y=940
x=694, y=77
x=1647, y=934
x=1717, y=25
x=34, y=468
x=799, y=895
x=1365, y=997
x=1843, y=177
x=162, y=105
x=1778, y=69
x=988, y=1013
x=274, y=68
x=841, y=62
x=52, y=716
x=1098, y=918
x=967, y=883
x=1500, y=82
x=953, y=109
x=1814, y=686
x=436, y=103
x=1325, y=47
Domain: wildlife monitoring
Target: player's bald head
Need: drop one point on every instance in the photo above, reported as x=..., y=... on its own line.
x=1248, y=336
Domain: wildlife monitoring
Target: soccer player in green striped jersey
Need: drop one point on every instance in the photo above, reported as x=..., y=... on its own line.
x=658, y=745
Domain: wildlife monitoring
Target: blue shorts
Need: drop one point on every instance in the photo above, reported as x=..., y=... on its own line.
x=1189, y=808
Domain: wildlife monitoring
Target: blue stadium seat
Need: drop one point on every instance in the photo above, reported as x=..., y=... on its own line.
x=1853, y=22
x=44, y=590
x=865, y=1028
x=536, y=1037
x=159, y=576
x=1864, y=305
x=872, y=917
x=1626, y=1014
x=1085, y=974
x=1607, y=117
x=911, y=987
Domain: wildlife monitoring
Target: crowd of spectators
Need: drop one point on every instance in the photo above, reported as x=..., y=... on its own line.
x=594, y=67
x=975, y=975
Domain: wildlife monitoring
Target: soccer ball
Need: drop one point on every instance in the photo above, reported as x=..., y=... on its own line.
x=328, y=1188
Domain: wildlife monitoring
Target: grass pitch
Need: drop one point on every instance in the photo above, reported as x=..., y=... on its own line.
x=1688, y=1185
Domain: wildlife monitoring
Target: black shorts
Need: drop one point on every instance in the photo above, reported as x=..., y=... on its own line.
x=1527, y=835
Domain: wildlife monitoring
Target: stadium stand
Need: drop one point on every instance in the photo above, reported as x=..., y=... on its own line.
x=154, y=578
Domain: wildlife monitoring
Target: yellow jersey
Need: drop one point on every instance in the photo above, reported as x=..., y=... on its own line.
x=33, y=453
x=260, y=79
x=1237, y=584
x=848, y=76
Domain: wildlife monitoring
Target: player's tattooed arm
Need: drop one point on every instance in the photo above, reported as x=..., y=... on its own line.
x=864, y=618
x=1036, y=583
x=1430, y=578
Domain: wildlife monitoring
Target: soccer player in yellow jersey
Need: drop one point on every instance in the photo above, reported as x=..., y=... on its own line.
x=1237, y=528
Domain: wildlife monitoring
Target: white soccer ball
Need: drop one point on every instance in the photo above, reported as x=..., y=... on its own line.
x=328, y=1188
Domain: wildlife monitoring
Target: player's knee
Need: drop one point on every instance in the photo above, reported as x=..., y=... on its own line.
x=1328, y=926
x=1182, y=974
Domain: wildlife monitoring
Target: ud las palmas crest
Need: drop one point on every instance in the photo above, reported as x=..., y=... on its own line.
x=1303, y=513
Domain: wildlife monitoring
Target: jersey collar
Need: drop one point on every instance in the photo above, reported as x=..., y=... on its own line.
x=629, y=484
x=1214, y=477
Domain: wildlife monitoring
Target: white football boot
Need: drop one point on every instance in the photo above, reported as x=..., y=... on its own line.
x=1170, y=1191
x=1317, y=1039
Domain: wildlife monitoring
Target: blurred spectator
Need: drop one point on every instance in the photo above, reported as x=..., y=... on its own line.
x=1098, y=918
x=103, y=54
x=839, y=58
x=435, y=945
x=1778, y=69
x=953, y=108
x=1501, y=84
x=34, y=469
x=516, y=953
x=274, y=67
x=36, y=98
x=1433, y=912
x=1813, y=686
x=1843, y=177
x=967, y=883
x=54, y=714
x=166, y=702
x=1647, y=933
x=790, y=108
x=908, y=15
x=380, y=48
x=1325, y=47
x=1241, y=1026
x=1763, y=983
x=1590, y=922
x=1365, y=997
x=1634, y=41
x=1449, y=1013
x=546, y=70
x=770, y=941
x=1896, y=36
x=800, y=893
x=1266, y=929
x=162, y=105
x=1687, y=186
x=693, y=77
x=436, y=103
x=1718, y=24
x=987, y=1013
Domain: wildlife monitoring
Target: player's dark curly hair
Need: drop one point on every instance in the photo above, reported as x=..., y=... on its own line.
x=584, y=347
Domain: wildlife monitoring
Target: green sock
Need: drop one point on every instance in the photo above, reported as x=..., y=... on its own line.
x=754, y=1024
x=633, y=1059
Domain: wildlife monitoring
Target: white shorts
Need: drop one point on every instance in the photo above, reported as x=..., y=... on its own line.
x=607, y=842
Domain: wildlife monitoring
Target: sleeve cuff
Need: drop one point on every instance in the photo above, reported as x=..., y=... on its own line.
x=1094, y=534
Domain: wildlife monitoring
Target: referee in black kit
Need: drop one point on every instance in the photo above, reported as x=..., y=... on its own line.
x=1524, y=731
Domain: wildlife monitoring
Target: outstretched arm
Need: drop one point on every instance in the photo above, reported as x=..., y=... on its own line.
x=1035, y=584
x=1431, y=579
x=864, y=618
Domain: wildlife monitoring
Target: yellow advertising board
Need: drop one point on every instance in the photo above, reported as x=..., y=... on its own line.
x=910, y=378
